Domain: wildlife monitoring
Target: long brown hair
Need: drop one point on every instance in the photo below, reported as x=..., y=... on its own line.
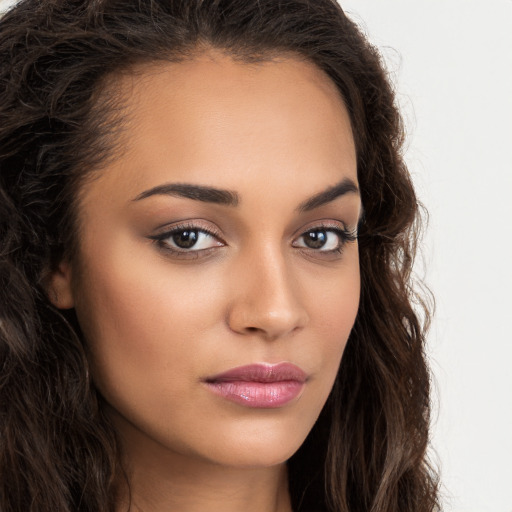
x=58, y=123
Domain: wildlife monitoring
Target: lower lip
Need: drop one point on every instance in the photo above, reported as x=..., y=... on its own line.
x=261, y=395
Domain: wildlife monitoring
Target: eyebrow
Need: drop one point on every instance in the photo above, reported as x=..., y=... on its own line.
x=230, y=198
x=347, y=186
x=195, y=192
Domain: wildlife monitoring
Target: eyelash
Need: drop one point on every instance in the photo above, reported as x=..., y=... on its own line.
x=160, y=240
x=344, y=234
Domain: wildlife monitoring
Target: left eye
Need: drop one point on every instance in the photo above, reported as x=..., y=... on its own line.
x=320, y=239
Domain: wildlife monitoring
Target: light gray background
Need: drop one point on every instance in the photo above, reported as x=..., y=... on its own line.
x=451, y=61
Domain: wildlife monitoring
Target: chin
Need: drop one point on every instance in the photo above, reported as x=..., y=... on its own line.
x=258, y=445
x=250, y=458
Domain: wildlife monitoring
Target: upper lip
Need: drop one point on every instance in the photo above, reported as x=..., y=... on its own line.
x=261, y=372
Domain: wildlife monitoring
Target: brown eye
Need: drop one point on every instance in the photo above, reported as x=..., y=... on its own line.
x=321, y=240
x=185, y=239
x=315, y=239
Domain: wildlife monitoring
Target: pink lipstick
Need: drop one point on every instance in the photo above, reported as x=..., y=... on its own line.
x=259, y=385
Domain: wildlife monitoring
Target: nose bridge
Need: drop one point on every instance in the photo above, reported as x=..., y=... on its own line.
x=266, y=298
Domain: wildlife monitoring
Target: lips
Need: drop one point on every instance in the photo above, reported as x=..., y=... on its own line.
x=259, y=385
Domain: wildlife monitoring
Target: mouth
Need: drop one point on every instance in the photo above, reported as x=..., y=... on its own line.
x=262, y=386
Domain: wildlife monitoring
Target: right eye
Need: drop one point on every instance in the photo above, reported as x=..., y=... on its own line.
x=187, y=239
x=190, y=239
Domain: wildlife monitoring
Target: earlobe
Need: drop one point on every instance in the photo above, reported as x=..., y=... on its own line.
x=59, y=287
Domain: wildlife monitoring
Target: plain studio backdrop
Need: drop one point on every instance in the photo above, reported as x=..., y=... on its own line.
x=451, y=62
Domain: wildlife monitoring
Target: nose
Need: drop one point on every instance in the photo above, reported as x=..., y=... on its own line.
x=266, y=299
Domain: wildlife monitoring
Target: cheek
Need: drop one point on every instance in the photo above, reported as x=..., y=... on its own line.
x=333, y=313
x=336, y=309
x=147, y=331
x=139, y=317
x=337, y=295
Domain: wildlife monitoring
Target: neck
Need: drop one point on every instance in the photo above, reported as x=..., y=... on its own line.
x=209, y=488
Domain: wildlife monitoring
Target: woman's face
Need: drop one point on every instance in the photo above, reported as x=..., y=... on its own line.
x=221, y=238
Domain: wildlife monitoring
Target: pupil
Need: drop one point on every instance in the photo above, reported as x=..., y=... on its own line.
x=185, y=239
x=315, y=239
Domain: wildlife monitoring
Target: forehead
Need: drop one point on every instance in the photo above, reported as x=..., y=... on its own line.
x=220, y=122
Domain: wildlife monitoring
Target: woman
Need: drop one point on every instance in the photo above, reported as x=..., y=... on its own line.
x=207, y=233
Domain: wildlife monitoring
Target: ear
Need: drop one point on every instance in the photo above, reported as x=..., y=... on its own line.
x=59, y=287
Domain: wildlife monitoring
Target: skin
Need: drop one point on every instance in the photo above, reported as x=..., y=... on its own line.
x=158, y=323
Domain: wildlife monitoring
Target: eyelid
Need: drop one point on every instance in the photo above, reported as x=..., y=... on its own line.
x=327, y=224
x=345, y=234
x=168, y=230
